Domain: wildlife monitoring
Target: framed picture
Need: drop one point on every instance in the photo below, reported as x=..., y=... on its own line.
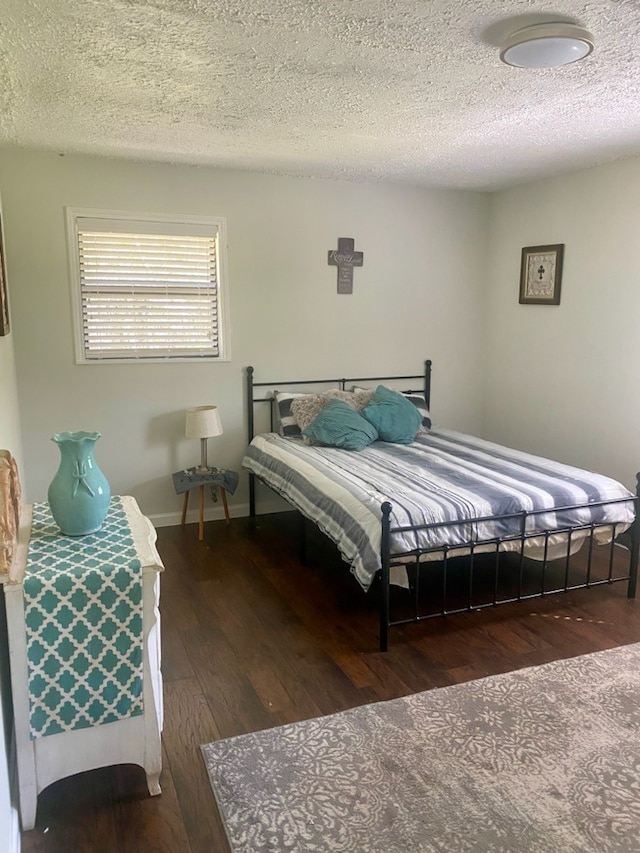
x=4, y=302
x=541, y=274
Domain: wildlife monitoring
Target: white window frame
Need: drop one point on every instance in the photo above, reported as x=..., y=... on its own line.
x=224, y=330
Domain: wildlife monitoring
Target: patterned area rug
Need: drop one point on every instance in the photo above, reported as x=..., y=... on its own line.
x=543, y=760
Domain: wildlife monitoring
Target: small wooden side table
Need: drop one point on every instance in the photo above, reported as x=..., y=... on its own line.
x=185, y=481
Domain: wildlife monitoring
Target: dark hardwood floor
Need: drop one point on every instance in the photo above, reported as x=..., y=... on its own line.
x=251, y=638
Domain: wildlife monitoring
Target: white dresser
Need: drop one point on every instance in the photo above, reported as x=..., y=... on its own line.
x=130, y=740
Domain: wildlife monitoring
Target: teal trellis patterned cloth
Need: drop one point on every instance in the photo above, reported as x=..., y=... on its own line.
x=83, y=617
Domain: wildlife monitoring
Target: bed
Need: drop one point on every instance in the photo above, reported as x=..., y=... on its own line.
x=396, y=511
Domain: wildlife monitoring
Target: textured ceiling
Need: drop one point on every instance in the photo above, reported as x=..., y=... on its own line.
x=402, y=90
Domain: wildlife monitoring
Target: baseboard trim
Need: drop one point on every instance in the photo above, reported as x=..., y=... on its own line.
x=216, y=513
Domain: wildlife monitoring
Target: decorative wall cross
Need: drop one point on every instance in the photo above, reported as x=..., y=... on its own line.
x=345, y=259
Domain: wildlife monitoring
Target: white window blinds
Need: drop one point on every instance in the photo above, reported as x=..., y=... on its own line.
x=148, y=289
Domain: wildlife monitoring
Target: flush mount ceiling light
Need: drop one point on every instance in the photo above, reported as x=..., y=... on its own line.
x=547, y=45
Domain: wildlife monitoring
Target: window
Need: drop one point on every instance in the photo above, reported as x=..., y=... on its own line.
x=148, y=287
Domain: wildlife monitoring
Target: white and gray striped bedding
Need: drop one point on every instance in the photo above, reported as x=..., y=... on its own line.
x=442, y=476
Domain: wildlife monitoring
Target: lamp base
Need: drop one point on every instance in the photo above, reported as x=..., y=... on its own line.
x=204, y=467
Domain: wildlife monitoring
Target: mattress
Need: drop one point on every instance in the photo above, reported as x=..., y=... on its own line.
x=442, y=477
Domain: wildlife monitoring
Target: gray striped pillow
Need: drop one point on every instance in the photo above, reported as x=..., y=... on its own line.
x=421, y=405
x=287, y=424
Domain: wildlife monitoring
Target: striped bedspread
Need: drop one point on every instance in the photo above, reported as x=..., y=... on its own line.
x=443, y=476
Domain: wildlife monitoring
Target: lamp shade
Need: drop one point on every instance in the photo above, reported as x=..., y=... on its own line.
x=203, y=422
x=547, y=45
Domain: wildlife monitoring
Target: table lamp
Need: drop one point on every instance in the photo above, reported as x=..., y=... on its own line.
x=203, y=422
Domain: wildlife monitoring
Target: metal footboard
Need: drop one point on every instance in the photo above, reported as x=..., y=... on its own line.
x=514, y=545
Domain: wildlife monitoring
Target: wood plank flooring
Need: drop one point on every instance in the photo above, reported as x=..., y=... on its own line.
x=251, y=639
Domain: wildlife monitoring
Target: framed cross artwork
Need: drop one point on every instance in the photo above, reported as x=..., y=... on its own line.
x=4, y=302
x=541, y=274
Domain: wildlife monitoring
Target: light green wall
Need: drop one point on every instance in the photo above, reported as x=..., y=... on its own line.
x=563, y=381
x=418, y=295
x=9, y=440
x=440, y=280
x=9, y=419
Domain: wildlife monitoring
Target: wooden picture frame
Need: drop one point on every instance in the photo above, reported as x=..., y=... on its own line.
x=4, y=300
x=541, y=274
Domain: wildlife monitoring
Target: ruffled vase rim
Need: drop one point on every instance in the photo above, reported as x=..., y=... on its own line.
x=77, y=436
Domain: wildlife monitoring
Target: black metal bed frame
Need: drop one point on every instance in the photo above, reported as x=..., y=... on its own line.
x=413, y=559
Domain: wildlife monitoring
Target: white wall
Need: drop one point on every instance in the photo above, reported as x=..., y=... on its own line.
x=9, y=418
x=562, y=381
x=9, y=440
x=418, y=295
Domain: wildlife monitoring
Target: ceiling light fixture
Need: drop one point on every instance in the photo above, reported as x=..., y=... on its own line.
x=547, y=45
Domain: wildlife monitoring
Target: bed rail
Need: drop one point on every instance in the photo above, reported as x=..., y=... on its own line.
x=513, y=545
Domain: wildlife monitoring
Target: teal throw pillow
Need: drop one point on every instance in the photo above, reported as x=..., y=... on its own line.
x=338, y=425
x=395, y=418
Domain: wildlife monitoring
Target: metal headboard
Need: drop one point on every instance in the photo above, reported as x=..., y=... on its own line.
x=341, y=383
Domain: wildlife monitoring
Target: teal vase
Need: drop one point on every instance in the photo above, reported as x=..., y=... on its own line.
x=79, y=493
